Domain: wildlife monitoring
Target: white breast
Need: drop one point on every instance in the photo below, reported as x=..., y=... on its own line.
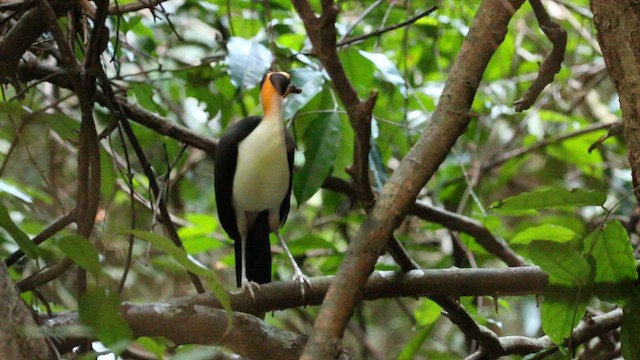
x=261, y=180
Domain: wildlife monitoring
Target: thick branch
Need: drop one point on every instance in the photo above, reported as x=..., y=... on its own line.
x=322, y=33
x=451, y=282
x=18, y=40
x=15, y=317
x=618, y=25
x=520, y=345
x=449, y=121
x=194, y=324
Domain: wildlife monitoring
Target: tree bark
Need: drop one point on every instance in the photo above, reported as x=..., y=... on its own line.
x=448, y=122
x=17, y=326
x=618, y=25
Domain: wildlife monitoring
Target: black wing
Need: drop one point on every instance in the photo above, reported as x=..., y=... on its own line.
x=286, y=203
x=225, y=168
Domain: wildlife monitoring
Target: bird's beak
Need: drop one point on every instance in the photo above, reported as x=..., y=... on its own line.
x=294, y=90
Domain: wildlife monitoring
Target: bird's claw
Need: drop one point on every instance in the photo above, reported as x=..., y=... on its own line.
x=248, y=287
x=303, y=281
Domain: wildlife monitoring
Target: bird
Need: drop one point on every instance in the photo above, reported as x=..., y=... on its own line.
x=253, y=182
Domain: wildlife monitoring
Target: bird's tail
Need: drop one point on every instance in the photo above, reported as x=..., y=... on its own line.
x=258, y=252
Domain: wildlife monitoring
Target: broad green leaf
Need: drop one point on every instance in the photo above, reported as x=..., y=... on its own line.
x=11, y=107
x=23, y=241
x=630, y=330
x=81, y=251
x=196, y=237
x=107, y=175
x=575, y=151
x=357, y=67
x=427, y=313
x=197, y=353
x=14, y=191
x=562, y=311
x=99, y=308
x=180, y=256
x=564, y=265
x=144, y=93
x=311, y=82
x=309, y=241
x=614, y=261
x=157, y=348
x=65, y=126
x=322, y=139
x=388, y=70
x=547, y=198
x=377, y=166
x=549, y=232
x=247, y=62
x=415, y=344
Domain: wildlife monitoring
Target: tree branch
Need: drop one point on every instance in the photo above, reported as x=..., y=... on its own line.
x=409, y=21
x=45, y=234
x=551, y=65
x=194, y=324
x=520, y=345
x=448, y=122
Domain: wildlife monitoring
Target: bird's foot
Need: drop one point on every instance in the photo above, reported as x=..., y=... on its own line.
x=250, y=287
x=299, y=278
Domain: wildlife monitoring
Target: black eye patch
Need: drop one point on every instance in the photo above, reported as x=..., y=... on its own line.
x=280, y=83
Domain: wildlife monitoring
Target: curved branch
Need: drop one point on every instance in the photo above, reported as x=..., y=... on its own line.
x=520, y=345
x=449, y=121
x=551, y=65
x=453, y=282
x=195, y=324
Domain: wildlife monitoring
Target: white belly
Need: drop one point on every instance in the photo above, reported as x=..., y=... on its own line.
x=261, y=180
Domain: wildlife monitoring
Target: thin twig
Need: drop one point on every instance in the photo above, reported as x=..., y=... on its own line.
x=386, y=29
x=359, y=19
x=44, y=235
x=165, y=217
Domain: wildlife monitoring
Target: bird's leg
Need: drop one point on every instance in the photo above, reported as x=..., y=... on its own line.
x=298, y=276
x=245, y=284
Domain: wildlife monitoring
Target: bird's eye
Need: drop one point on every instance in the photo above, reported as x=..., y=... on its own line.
x=280, y=83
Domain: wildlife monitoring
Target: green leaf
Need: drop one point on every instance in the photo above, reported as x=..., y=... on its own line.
x=99, y=308
x=196, y=237
x=564, y=265
x=549, y=232
x=614, y=261
x=153, y=346
x=309, y=241
x=14, y=191
x=65, y=126
x=576, y=151
x=322, y=140
x=81, y=251
x=247, y=62
x=11, y=107
x=427, y=313
x=547, y=198
x=377, y=166
x=388, y=70
x=357, y=67
x=144, y=93
x=311, y=82
x=107, y=175
x=415, y=344
x=630, y=330
x=180, y=256
x=561, y=312
x=26, y=245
